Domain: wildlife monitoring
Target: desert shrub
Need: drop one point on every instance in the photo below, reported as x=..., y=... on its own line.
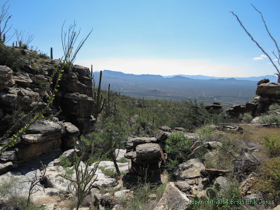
x=123, y=160
x=108, y=171
x=13, y=198
x=268, y=119
x=272, y=144
x=205, y=133
x=177, y=147
x=141, y=199
x=246, y=118
x=269, y=179
x=274, y=107
x=10, y=57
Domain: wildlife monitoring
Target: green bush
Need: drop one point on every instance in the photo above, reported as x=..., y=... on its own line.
x=272, y=145
x=246, y=118
x=108, y=171
x=205, y=133
x=268, y=119
x=123, y=160
x=177, y=147
x=274, y=107
x=269, y=179
x=10, y=57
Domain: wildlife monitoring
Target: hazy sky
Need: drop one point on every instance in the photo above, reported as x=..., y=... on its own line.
x=163, y=37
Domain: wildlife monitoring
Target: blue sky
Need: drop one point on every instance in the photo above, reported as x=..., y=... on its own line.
x=166, y=37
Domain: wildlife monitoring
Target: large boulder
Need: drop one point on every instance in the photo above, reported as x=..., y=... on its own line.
x=132, y=143
x=41, y=138
x=189, y=170
x=148, y=152
x=172, y=198
x=268, y=90
x=6, y=77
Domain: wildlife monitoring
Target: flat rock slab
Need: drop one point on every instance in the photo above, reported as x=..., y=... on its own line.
x=133, y=142
x=189, y=170
x=148, y=151
x=45, y=127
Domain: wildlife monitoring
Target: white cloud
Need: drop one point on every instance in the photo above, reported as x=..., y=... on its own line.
x=164, y=67
x=276, y=59
x=260, y=58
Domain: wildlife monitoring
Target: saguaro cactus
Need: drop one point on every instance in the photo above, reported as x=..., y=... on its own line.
x=99, y=99
x=108, y=107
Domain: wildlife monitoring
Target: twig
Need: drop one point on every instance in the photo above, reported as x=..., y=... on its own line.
x=256, y=42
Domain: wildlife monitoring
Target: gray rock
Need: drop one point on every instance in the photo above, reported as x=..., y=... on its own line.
x=161, y=135
x=6, y=77
x=8, y=156
x=172, y=198
x=148, y=151
x=131, y=143
x=71, y=130
x=45, y=127
x=223, y=183
x=189, y=170
x=253, y=199
x=277, y=207
x=69, y=154
x=120, y=153
x=165, y=128
x=5, y=167
x=22, y=78
x=122, y=194
x=183, y=186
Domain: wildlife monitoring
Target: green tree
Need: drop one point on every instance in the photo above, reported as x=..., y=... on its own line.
x=112, y=137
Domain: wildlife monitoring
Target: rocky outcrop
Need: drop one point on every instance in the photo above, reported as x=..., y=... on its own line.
x=215, y=108
x=268, y=90
x=268, y=93
x=78, y=80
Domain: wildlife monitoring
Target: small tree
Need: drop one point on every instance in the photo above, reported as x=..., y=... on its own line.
x=111, y=137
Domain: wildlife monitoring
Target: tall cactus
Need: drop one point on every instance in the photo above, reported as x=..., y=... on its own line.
x=99, y=98
x=108, y=108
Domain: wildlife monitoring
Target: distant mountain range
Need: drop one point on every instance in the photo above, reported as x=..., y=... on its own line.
x=272, y=78
x=227, y=91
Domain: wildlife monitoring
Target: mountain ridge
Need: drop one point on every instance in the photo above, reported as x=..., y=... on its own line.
x=272, y=78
